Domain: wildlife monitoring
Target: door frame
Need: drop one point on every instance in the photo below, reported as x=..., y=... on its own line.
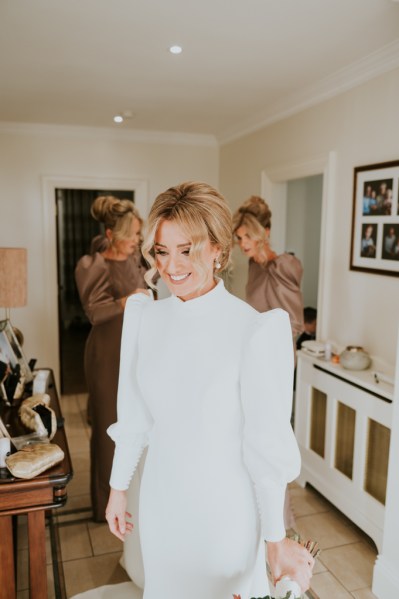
x=274, y=188
x=49, y=185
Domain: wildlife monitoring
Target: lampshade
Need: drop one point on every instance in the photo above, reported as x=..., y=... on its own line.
x=13, y=268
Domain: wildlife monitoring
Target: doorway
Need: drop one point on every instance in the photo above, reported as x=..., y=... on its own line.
x=303, y=231
x=274, y=184
x=75, y=228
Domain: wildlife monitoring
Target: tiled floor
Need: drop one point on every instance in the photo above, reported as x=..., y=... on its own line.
x=90, y=554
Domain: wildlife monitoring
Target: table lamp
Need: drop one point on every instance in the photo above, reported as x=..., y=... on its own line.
x=13, y=269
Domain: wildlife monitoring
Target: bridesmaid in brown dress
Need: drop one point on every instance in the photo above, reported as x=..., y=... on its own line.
x=274, y=281
x=105, y=279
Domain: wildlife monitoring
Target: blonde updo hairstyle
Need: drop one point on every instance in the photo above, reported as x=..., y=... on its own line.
x=256, y=216
x=117, y=215
x=202, y=213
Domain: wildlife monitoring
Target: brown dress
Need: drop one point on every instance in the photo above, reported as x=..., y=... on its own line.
x=277, y=284
x=101, y=282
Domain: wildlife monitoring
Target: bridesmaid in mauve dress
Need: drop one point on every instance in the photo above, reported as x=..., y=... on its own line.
x=274, y=281
x=105, y=279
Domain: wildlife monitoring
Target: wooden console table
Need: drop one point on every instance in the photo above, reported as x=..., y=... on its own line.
x=32, y=497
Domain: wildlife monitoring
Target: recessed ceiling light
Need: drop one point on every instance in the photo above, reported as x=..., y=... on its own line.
x=176, y=49
x=118, y=118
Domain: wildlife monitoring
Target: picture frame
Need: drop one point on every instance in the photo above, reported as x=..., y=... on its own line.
x=375, y=219
x=11, y=352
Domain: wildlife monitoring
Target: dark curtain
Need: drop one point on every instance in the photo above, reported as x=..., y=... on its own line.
x=76, y=228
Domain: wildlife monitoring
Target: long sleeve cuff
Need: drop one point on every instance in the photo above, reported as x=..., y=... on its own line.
x=126, y=459
x=270, y=500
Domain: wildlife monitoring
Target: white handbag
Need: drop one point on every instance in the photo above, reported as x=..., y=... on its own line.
x=36, y=414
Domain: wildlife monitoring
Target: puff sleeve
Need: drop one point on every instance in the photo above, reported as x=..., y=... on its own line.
x=270, y=449
x=95, y=291
x=130, y=432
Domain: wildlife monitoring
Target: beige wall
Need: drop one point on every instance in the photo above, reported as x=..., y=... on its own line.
x=25, y=158
x=361, y=127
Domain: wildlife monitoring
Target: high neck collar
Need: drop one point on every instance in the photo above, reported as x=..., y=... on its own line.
x=201, y=302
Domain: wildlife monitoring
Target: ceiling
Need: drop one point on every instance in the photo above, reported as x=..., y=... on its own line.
x=245, y=63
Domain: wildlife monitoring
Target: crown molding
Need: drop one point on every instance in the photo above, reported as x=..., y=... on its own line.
x=96, y=133
x=371, y=66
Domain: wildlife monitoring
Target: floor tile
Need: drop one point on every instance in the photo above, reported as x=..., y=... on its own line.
x=69, y=405
x=75, y=541
x=363, y=594
x=81, y=461
x=102, y=540
x=305, y=502
x=22, y=570
x=81, y=399
x=319, y=567
x=351, y=564
x=78, y=444
x=329, y=529
x=325, y=586
x=83, y=516
x=74, y=432
x=22, y=532
x=84, y=574
x=79, y=485
x=74, y=421
x=50, y=583
x=77, y=508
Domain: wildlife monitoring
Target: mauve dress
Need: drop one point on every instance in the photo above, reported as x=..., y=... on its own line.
x=101, y=283
x=277, y=284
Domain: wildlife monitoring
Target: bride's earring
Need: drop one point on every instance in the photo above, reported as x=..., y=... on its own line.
x=217, y=263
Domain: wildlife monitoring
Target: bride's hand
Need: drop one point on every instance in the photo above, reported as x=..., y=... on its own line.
x=289, y=558
x=116, y=514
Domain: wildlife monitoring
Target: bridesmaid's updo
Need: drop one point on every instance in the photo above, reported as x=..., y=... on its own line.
x=117, y=215
x=256, y=216
x=201, y=212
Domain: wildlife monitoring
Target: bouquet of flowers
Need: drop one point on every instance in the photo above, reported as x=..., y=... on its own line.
x=282, y=593
x=287, y=588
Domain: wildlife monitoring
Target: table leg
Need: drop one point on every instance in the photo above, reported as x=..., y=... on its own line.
x=7, y=566
x=37, y=555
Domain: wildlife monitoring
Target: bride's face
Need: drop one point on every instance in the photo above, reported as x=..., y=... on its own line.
x=174, y=263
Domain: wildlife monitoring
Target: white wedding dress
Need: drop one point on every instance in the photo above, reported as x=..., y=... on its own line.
x=207, y=385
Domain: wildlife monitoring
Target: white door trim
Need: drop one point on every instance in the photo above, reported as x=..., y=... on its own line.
x=274, y=188
x=49, y=185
